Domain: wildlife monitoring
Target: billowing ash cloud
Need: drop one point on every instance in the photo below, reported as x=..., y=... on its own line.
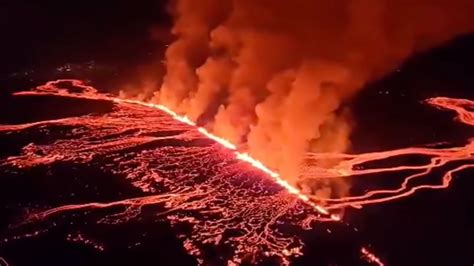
x=273, y=74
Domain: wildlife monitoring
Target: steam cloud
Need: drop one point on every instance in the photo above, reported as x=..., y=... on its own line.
x=273, y=75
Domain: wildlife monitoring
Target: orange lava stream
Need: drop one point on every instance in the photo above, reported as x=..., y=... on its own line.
x=349, y=163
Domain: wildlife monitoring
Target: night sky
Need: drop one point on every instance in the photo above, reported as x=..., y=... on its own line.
x=48, y=33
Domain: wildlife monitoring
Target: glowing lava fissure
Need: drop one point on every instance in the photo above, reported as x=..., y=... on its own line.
x=91, y=93
x=348, y=165
x=227, y=194
x=228, y=199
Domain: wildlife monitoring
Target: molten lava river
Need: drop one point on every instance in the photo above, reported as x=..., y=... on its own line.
x=135, y=183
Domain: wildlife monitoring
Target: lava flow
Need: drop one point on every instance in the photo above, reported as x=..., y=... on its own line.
x=226, y=198
x=91, y=93
x=229, y=198
x=354, y=165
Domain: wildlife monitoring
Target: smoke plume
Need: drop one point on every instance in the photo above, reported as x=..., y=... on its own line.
x=274, y=75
